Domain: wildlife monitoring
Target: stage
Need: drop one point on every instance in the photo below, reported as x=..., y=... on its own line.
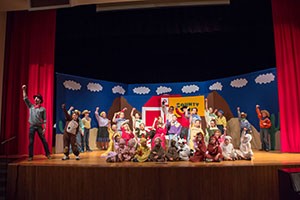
x=93, y=178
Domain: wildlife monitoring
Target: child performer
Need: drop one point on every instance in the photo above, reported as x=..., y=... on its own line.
x=245, y=152
x=160, y=132
x=141, y=132
x=172, y=154
x=265, y=125
x=196, y=128
x=119, y=118
x=86, y=121
x=136, y=120
x=211, y=129
x=120, y=153
x=168, y=112
x=143, y=151
x=221, y=121
x=103, y=123
x=184, y=120
x=214, y=151
x=228, y=149
x=244, y=123
x=194, y=117
x=113, y=133
x=200, y=148
x=126, y=132
x=174, y=129
x=157, y=154
x=209, y=114
x=80, y=133
x=70, y=131
x=183, y=150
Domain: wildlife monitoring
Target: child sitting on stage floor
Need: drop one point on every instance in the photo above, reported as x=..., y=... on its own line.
x=183, y=150
x=113, y=132
x=143, y=151
x=245, y=152
x=121, y=153
x=214, y=151
x=228, y=149
x=131, y=149
x=157, y=154
x=200, y=148
x=172, y=154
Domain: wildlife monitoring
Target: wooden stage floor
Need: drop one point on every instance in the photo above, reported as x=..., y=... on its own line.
x=93, y=178
x=261, y=158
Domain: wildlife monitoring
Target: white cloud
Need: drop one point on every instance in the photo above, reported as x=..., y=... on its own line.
x=94, y=87
x=141, y=90
x=118, y=90
x=239, y=83
x=216, y=86
x=163, y=90
x=72, y=85
x=265, y=78
x=190, y=88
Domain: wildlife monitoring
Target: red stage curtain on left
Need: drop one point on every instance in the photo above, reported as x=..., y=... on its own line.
x=29, y=60
x=286, y=19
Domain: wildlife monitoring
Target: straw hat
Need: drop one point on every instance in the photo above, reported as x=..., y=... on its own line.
x=266, y=112
x=243, y=113
x=85, y=111
x=77, y=112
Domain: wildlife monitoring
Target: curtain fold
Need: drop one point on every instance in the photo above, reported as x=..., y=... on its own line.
x=286, y=20
x=29, y=60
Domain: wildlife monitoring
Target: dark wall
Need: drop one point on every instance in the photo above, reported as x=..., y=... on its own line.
x=166, y=44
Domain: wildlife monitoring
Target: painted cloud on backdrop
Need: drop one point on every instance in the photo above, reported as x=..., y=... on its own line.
x=118, y=90
x=265, y=78
x=163, y=90
x=141, y=90
x=216, y=86
x=72, y=85
x=239, y=83
x=189, y=89
x=94, y=87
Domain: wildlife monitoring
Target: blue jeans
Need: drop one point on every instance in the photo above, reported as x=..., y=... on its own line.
x=86, y=139
x=39, y=130
x=264, y=138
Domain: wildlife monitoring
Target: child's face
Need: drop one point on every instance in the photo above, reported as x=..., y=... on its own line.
x=194, y=111
x=121, y=145
x=121, y=115
x=159, y=119
x=86, y=114
x=157, y=142
x=210, y=110
x=212, y=140
x=264, y=114
x=220, y=114
x=142, y=126
x=117, y=139
x=174, y=118
x=103, y=115
x=171, y=109
x=181, y=144
x=212, y=124
x=226, y=141
x=144, y=144
x=197, y=123
x=126, y=126
x=137, y=116
x=74, y=116
x=200, y=137
x=114, y=127
x=217, y=133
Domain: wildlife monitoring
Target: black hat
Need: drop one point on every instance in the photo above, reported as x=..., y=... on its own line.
x=38, y=96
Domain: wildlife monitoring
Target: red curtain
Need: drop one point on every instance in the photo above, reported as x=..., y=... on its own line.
x=286, y=19
x=29, y=60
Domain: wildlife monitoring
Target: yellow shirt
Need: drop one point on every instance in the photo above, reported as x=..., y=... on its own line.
x=142, y=153
x=221, y=121
x=86, y=122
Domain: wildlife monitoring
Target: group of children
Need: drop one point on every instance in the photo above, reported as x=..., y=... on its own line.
x=179, y=137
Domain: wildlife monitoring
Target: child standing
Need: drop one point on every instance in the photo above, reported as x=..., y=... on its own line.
x=160, y=132
x=119, y=118
x=184, y=120
x=221, y=121
x=209, y=114
x=174, y=129
x=265, y=125
x=103, y=123
x=244, y=123
x=195, y=129
x=86, y=121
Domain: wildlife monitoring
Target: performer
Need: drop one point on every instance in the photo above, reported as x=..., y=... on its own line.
x=221, y=121
x=196, y=128
x=160, y=132
x=244, y=123
x=37, y=121
x=86, y=121
x=80, y=133
x=70, y=131
x=143, y=151
x=174, y=129
x=209, y=114
x=214, y=151
x=119, y=118
x=167, y=112
x=183, y=150
x=211, y=130
x=184, y=120
x=245, y=152
x=126, y=132
x=113, y=134
x=194, y=117
x=265, y=125
x=102, y=135
x=200, y=148
x=228, y=150
x=172, y=154
x=157, y=154
x=136, y=120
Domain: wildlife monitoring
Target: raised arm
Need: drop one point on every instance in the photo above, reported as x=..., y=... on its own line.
x=154, y=122
x=27, y=102
x=97, y=114
x=131, y=113
x=239, y=113
x=114, y=119
x=258, y=112
x=67, y=115
x=206, y=104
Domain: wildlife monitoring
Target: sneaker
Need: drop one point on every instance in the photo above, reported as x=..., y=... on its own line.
x=49, y=157
x=30, y=158
x=77, y=158
x=66, y=157
x=89, y=150
x=267, y=150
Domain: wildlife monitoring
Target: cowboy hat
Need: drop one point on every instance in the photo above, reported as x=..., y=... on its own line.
x=266, y=112
x=85, y=111
x=77, y=112
x=243, y=113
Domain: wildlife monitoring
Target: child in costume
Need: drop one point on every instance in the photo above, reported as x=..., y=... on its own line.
x=196, y=128
x=245, y=152
x=211, y=130
x=86, y=121
x=80, y=133
x=244, y=123
x=168, y=112
x=219, y=136
x=70, y=131
x=265, y=125
x=103, y=134
x=221, y=121
x=209, y=114
x=172, y=154
x=228, y=150
x=194, y=117
x=131, y=149
x=141, y=132
x=200, y=148
x=157, y=154
x=174, y=129
x=214, y=151
x=113, y=133
x=120, y=153
x=126, y=132
x=184, y=120
x=160, y=132
x=136, y=120
x=143, y=151
x=183, y=150
x=119, y=118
